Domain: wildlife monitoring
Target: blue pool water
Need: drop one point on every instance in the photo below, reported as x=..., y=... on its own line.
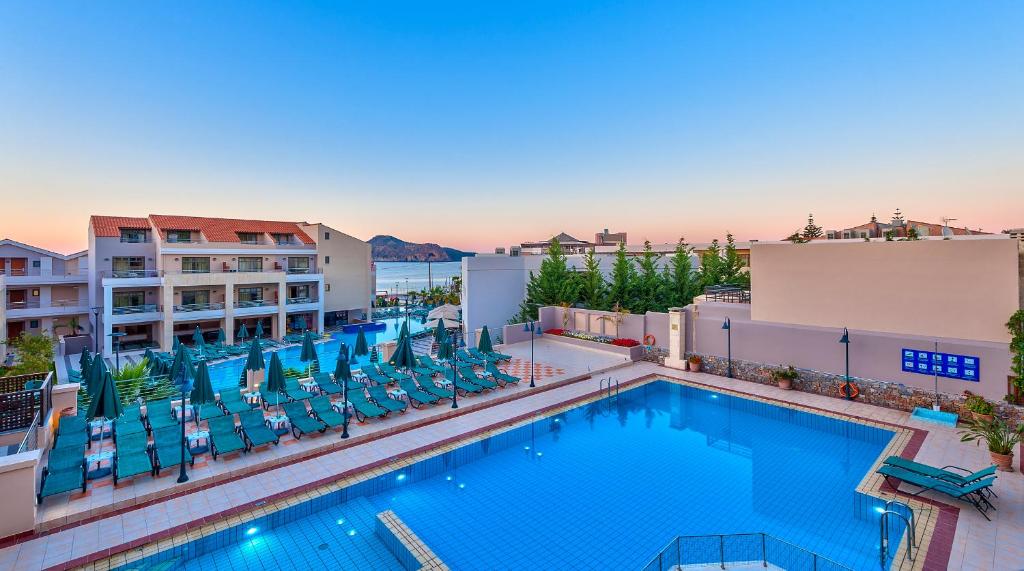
x=603, y=486
x=227, y=373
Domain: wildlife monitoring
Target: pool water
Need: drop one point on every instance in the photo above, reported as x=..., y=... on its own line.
x=225, y=374
x=602, y=486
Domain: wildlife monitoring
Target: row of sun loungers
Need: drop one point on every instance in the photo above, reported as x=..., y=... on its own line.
x=959, y=483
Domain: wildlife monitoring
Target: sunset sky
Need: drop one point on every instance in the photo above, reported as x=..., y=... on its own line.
x=482, y=124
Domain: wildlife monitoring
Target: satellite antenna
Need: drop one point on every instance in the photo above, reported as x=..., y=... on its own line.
x=946, y=231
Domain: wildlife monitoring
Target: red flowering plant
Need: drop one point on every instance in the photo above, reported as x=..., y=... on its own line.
x=555, y=331
x=624, y=342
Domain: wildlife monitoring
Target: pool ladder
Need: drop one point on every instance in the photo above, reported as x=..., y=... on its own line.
x=607, y=387
x=883, y=530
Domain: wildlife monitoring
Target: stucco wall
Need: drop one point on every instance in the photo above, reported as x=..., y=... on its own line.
x=348, y=273
x=963, y=289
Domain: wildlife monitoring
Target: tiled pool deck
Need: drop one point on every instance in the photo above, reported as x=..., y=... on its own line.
x=955, y=538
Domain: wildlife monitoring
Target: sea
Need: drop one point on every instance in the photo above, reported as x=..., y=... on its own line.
x=400, y=277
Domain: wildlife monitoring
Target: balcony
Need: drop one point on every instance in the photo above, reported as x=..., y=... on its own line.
x=35, y=276
x=136, y=313
x=198, y=311
x=33, y=308
x=300, y=300
x=131, y=274
x=133, y=309
x=189, y=307
x=255, y=307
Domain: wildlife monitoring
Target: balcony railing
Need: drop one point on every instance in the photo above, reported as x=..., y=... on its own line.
x=35, y=304
x=300, y=270
x=255, y=303
x=130, y=274
x=297, y=300
x=37, y=272
x=187, y=307
x=134, y=309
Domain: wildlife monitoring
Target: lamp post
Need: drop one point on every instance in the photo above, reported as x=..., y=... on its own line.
x=344, y=396
x=533, y=328
x=96, y=330
x=845, y=340
x=184, y=374
x=728, y=336
x=116, y=338
x=455, y=370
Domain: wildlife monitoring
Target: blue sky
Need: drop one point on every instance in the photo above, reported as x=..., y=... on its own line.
x=479, y=124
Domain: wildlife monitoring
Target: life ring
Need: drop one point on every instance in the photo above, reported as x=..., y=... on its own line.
x=649, y=339
x=853, y=390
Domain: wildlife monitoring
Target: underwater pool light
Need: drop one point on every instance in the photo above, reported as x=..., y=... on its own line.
x=252, y=531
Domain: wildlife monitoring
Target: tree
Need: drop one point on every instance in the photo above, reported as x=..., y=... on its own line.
x=554, y=284
x=593, y=289
x=811, y=231
x=35, y=353
x=734, y=267
x=620, y=291
x=681, y=281
x=797, y=238
x=649, y=288
x=711, y=265
x=1016, y=327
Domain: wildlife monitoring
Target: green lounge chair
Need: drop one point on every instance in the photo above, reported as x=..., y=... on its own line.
x=465, y=357
x=972, y=493
x=209, y=411
x=159, y=415
x=501, y=376
x=127, y=427
x=500, y=356
x=427, y=362
x=461, y=384
x=131, y=456
x=64, y=471
x=416, y=396
x=364, y=408
x=470, y=375
x=294, y=391
x=427, y=385
x=72, y=431
x=392, y=373
x=380, y=396
x=326, y=384
x=300, y=420
x=224, y=438
x=375, y=377
x=487, y=358
x=270, y=399
x=233, y=403
x=326, y=412
x=959, y=479
x=255, y=429
x=167, y=448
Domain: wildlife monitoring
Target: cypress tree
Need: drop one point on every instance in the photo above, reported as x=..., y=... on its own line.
x=620, y=291
x=554, y=284
x=649, y=286
x=681, y=282
x=593, y=289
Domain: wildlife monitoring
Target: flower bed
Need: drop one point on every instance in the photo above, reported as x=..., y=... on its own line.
x=625, y=346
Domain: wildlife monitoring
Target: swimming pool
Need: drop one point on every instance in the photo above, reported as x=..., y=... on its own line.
x=226, y=374
x=605, y=486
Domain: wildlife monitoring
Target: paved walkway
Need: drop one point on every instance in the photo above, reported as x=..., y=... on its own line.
x=977, y=544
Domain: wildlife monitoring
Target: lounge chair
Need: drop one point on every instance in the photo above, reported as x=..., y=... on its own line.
x=380, y=396
x=301, y=421
x=209, y=411
x=500, y=356
x=160, y=415
x=427, y=385
x=64, y=471
x=224, y=438
x=465, y=357
x=326, y=384
x=167, y=448
x=461, y=384
x=417, y=397
x=326, y=412
x=392, y=373
x=295, y=392
x=959, y=479
x=364, y=408
x=972, y=493
x=269, y=398
x=72, y=431
x=470, y=375
x=375, y=377
x=128, y=426
x=255, y=430
x=232, y=402
x=488, y=358
x=131, y=456
x=427, y=362
x=501, y=376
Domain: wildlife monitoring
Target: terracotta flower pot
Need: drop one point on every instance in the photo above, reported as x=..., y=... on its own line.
x=695, y=367
x=1004, y=462
x=983, y=417
x=786, y=384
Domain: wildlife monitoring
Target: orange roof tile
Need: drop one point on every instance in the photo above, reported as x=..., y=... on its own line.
x=110, y=226
x=226, y=229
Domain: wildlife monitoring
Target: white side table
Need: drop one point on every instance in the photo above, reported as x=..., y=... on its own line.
x=279, y=424
x=198, y=441
x=99, y=464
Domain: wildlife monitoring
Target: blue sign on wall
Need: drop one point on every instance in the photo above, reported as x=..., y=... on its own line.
x=963, y=367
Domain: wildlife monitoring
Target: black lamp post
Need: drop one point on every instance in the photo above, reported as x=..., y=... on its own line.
x=728, y=336
x=96, y=330
x=116, y=338
x=845, y=340
x=455, y=370
x=344, y=396
x=533, y=328
x=184, y=375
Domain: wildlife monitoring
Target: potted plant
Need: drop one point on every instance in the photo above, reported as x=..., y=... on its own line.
x=785, y=377
x=695, y=362
x=979, y=408
x=1000, y=438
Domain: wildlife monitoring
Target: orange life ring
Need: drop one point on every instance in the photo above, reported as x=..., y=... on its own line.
x=854, y=391
x=650, y=338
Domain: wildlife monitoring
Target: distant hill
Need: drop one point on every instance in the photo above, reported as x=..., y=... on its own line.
x=391, y=249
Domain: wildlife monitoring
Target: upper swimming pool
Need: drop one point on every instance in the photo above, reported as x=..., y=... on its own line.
x=227, y=373
x=604, y=486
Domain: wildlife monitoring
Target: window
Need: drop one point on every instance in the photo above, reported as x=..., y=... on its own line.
x=252, y=295
x=299, y=293
x=128, y=266
x=249, y=237
x=327, y=235
x=195, y=297
x=129, y=298
x=179, y=236
x=327, y=287
x=298, y=265
x=327, y=259
x=133, y=235
x=33, y=324
x=36, y=263
x=282, y=239
x=193, y=265
x=35, y=292
x=250, y=264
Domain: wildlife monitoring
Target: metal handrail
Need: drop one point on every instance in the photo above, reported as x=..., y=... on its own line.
x=132, y=274
x=913, y=516
x=198, y=307
x=255, y=303
x=36, y=304
x=295, y=300
x=883, y=531
x=30, y=442
x=133, y=309
x=671, y=556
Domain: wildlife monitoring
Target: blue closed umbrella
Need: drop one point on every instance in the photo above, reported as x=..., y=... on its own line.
x=308, y=354
x=259, y=329
x=243, y=332
x=275, y=379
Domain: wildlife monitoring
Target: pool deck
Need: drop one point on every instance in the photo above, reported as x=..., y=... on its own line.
x=75, y=531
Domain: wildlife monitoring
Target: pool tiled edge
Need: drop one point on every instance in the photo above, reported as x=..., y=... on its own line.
x=405, y=545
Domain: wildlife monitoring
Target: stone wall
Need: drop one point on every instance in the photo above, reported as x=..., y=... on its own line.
x=879, y=393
